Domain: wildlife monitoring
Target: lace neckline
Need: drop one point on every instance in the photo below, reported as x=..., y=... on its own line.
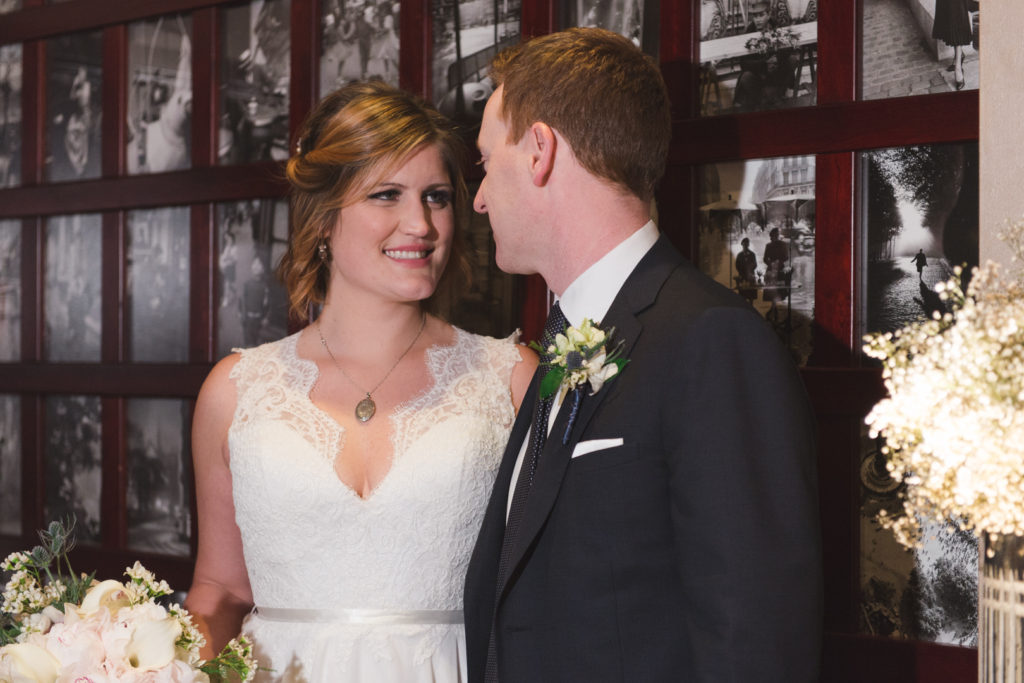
x=434, y=357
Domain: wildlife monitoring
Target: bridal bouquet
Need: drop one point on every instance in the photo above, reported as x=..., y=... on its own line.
x=953, y=422
x=58, y=626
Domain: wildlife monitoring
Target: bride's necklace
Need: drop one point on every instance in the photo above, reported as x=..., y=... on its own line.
x=366, y=408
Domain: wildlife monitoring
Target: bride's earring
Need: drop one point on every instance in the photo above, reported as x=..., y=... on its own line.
x=322, y=250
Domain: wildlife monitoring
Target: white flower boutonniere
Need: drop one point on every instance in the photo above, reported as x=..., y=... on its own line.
x=580, y=356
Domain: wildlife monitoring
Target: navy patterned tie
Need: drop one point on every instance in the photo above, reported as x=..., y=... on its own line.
x=555, y=324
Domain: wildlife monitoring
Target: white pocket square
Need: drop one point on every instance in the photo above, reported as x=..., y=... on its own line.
x=584, y=447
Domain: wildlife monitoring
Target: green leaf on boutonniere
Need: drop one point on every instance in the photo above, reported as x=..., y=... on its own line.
x=551, y=381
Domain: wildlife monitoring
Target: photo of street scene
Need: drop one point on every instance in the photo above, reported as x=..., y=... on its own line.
x=920, y=209
x=10, y=465
x=73, y=465
x=71, y=288
x=359, y=41
x=756, y=236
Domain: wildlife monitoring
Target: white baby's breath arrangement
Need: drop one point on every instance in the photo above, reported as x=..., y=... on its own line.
x=56, y=625
x=953, y=421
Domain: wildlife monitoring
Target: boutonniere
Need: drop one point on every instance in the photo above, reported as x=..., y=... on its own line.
x=580, y=356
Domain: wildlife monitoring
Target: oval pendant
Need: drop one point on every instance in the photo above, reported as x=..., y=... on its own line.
x=365, y=409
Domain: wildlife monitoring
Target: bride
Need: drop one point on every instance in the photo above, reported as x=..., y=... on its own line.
x=342, y=472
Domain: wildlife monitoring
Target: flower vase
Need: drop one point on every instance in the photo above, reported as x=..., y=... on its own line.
x=1001, y=610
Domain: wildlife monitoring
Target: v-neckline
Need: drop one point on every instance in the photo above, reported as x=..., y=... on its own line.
x=393, y=418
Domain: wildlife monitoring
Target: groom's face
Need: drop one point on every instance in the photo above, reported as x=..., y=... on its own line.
x=504, y=193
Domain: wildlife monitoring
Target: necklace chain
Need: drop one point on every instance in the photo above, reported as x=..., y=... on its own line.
x=366, y=408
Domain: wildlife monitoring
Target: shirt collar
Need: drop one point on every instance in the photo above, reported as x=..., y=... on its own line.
x=591, y=294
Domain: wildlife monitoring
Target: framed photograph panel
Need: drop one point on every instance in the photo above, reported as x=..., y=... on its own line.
x=253, y=308
x=159, y=95
x=74, y=480
x=10, y=115
x=10, y=291
x=634, y=19
x=10, y=465
x=74, y=106
x=255, y=72
x=158, y=284
x=757, y=55
x=756, y=236
x=918, y=47
x=927, y=593
x=72, y=288
x=159, y=478
x=467, y=36
x=359, y=40
x=920, y=220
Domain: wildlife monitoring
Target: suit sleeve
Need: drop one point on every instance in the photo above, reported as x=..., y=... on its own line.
x=738, y=434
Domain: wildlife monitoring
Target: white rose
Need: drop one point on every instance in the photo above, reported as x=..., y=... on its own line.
x=27, y=663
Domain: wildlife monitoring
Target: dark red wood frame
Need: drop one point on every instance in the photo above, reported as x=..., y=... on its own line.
x=835, y=130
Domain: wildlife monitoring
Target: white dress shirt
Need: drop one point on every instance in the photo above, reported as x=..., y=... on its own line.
x=590, y=296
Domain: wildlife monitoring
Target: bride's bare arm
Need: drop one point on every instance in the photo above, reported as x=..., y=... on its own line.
x=522, y=373
x=220, y=596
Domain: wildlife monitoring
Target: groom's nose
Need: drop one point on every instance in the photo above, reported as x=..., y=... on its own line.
x=479, y=204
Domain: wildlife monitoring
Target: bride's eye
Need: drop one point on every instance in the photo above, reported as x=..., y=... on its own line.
x=439, y=198
x=386, y=195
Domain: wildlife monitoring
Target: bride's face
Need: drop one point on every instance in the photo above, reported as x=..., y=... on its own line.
x=393, y=242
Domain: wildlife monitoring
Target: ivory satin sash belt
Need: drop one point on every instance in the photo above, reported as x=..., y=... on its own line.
x=362, y=616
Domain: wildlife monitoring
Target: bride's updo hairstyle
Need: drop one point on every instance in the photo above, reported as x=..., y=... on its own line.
x=354, y=138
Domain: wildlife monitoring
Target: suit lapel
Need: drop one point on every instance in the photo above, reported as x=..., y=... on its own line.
x=638, y=292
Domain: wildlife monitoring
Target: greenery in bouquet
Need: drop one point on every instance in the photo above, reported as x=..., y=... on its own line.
x=59, y=625
x=953, y=421
x=771, y=40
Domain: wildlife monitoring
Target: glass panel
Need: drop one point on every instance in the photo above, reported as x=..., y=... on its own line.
x=255, y=39
x=253, y=306
x=159, y=94
x=757, y=55
x=634, y=19
x=916, y=47
x=757, y=232
x=72, y=288
x=74, y=472
x=9, y=6
x=928, y=593
x=921, y=219
x=158, y=284
x=462, y=57
x=10, y=290
x=10, y=465
x=158, y=503
x=74, y=106
x=359, y=41
x=10, y=115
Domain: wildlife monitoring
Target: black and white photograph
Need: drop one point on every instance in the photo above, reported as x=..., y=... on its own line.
x=9, y=6
x=158, y=500
x=928, y=593
x=920, y=209
x=10, y=291
x=72, y=288
x=359, y=41
x=74, y=476
x=255, y=74
x=757, y=55
x=253, y=304
x=158, y=284
x=10, y=115
x=491, y=303
x=10, y=465
x=918, y=47
x=756, y=236
x=467, y=36
x=625, y=17
x=74, y=106
x=159, y=95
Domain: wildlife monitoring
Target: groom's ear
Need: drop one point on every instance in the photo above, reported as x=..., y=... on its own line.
x=541, y=143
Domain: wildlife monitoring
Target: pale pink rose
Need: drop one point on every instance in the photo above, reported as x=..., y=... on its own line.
x=78, y=643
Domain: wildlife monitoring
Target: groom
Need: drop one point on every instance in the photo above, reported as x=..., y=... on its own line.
x=664, y=528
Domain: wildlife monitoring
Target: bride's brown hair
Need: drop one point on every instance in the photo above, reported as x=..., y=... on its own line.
x=356, y=136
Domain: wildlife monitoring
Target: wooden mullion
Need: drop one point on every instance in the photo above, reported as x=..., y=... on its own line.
x=679, y=55
x=31, y=290
x=838, y=65
x=33, y=108
x=105, y=379
x=203, y=277
x=112, y=302
x=304, y=80
x=115, y=103
x=416, y=35
x=205, y=54
x=538, y=18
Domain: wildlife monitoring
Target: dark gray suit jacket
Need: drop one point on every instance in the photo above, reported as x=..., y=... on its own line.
x=692, y=551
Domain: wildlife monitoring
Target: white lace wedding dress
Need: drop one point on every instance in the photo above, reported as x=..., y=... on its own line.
x=353, y=589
